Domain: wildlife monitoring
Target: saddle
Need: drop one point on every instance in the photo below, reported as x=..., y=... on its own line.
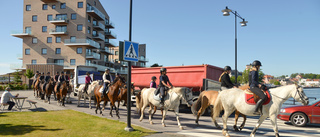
x=252, y=98
x=157, y=95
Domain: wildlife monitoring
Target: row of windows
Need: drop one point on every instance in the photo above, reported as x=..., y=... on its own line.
x=57, y=61
x=58, y=16
x=44, y=51
x=62, y=6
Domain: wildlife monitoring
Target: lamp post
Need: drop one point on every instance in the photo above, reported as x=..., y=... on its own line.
x=226, y=12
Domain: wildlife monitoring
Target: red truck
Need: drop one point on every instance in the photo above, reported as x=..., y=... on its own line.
x=198, y=77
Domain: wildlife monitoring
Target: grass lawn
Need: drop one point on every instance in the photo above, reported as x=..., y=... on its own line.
x=63, y=123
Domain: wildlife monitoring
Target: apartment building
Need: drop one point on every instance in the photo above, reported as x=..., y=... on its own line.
x=66, y=33
x=122, y=66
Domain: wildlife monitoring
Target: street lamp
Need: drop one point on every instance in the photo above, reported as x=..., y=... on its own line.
x=226, y=12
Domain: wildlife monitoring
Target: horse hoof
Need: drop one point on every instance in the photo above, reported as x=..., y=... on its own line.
x=151, y=123
x=181, y=128
x=140, y=120
x=96, y=111
x=251, y=135
x=164, y=125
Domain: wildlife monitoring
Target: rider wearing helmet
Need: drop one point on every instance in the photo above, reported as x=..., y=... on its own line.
x=225, y=79
x=61, y=78
x=255, y=85
x=36, y=77
x=88, y=81
x=56, y=77
x=107, y=79
x=153, y=83
x=42, y=76
x=164, y=80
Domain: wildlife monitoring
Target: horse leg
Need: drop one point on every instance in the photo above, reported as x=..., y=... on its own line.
x=224, y=120
x=79, y=96
x=85, y=98
x=154, y=111
x=236, y=117
x=213, y=120
x=111, y=108
x=177, y=115
x=273, y=119
x=141, y=112
x=150, y=115
x=261, y=119
x=90, y=102
x=117, y=110
x=163, y=117
x=97, y=106
x=243, y=122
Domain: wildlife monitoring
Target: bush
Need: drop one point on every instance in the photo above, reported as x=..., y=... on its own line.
x=1, y=88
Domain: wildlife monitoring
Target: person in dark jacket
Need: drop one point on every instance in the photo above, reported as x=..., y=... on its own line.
x=255, y=85
x=153, y=83
x=42, y=76
x=47, y=78
x=56, y=77
x=60, y=79
x=164, y=81
x=225, y=79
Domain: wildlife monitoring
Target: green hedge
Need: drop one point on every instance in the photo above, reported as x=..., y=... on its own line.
x=14, y=86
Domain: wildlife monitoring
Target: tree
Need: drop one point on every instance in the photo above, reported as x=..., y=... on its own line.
x=156, y=65
x=245, y=76
x=29, y=73
x=17, y=77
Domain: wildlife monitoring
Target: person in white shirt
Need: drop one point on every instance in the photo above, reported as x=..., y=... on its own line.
x=5, y=98
x=107, y=79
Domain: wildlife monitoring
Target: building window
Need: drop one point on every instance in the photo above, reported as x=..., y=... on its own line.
x=73, y=16
x=80, y=4
x=34, y=40
x=73, y=39
x=28, y=7
x=49, y=39
x=44, y=28
x=44, y=51
x=58, y=61
x=89, y=30
x=27, y=52
x=45, y=7
x=49, y=17
x=79, y=27
x=58, y=50
x=72, y=62
x=27, y=30
x=61, y=16
x=33, y=61
x=117, y=53
x=53, y=6
x=34, y=18
x=62, y=5
x=58, y=39
x=89, y=19
x=79, y=50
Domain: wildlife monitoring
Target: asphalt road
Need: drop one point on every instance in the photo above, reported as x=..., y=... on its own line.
x=206, y=127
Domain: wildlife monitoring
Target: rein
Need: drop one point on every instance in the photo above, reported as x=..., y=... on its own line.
x=289, y=97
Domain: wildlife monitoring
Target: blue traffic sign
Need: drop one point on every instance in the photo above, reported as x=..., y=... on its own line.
x=131, y=51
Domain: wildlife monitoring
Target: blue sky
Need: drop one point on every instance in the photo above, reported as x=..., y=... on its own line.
x=284, y=35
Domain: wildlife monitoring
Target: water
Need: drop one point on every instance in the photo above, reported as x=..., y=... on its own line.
x=312, y=93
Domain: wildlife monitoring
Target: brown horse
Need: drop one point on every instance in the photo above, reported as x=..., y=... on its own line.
x=49, y=89
x=62, y=93
x=42, y=90
x=36, y=87
x=112, y=95
x=208, y=98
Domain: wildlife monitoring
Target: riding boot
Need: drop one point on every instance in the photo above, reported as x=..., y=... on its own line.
x=162, y=102
x=258, y=110
x=103, y=93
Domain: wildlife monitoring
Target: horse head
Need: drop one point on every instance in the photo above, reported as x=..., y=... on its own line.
x=186, y=94
x=300, y=96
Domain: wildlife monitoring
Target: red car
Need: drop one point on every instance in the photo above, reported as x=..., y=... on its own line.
x=301, y=115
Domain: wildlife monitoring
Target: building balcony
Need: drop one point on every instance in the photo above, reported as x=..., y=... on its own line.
x=48, y=1
x=110, y=43
x=81, y=42
x=109, y=24
x=58, y=32
x=143, y=59
x=98, y=36
x=60, y=20
x=99, y=26
x=93, y=11
x=21, y=34
x=107, y=50
x=19, y=57
x=110, y=35
x=93, y=56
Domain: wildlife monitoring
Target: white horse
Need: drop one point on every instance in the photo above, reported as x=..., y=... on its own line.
x=69, y=91
x=89, y=94
x=234, y=98
x=172, y=101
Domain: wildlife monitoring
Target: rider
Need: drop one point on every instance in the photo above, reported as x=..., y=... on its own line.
x=88, y=81
x=164, y=80
x=255, y=85
x=66, y=78
x=153, y=83
x=42, y=76
x=35, y=77
x=56, y=77
x=47, y=78
x=60, y=80
x=107, y=79
x=225, y=79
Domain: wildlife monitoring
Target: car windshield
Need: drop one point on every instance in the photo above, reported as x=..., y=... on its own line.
x=314, y=101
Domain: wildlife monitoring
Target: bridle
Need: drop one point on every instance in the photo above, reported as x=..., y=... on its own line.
x=297, y=91
x=185, y=96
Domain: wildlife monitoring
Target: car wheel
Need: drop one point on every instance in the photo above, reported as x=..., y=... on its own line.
x=299, y=119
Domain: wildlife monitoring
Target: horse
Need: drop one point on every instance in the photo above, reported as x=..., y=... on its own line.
x=70, y=85
x=172, y=101
x=36, y=87
x=112, y=95
x=89, y=94
x=234, y=98
x=62, y=93
x=48, y=89
x=41, y=89
x=138, y=99
x=208, y=98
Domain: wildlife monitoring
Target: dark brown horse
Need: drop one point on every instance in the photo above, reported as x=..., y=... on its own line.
x=41, y=89
x=62, y=93
x=36, y=87
x=208, y=98
x=49, y=89
x=112, y=95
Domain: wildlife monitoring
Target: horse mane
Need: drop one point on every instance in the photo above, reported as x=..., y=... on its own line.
x=95, y=82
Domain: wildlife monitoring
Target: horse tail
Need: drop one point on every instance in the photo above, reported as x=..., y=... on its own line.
x=139, y=102
x=197, y=105
x=217, y=108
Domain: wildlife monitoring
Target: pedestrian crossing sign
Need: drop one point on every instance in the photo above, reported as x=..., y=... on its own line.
x=130, y=51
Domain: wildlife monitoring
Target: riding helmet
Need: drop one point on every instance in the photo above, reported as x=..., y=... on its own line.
x=57, y=72
x=62, y=72
x=163, y=70
x=48, y=72
x=38, y=72
x=153, y=77
x=226, y=68
x=87, y=73
x=256, y=63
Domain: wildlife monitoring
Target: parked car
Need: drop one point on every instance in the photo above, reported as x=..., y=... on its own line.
x=301, y=115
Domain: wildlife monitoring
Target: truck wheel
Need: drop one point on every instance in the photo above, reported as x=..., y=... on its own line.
x=299, y=119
